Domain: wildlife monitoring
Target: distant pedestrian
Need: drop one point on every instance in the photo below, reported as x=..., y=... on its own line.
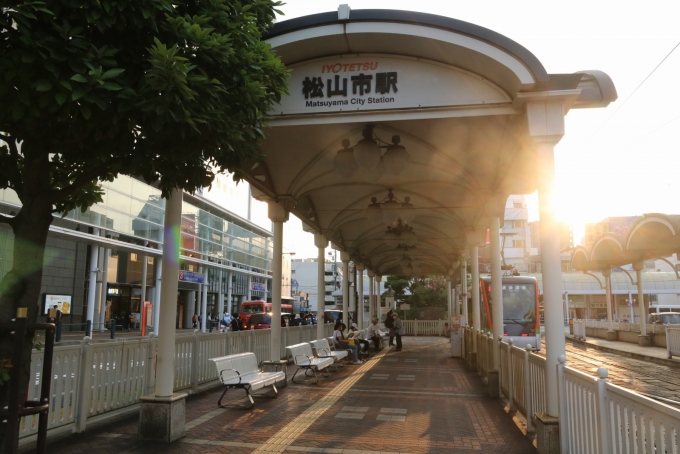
x=236, y=323
x=126, y=321
x=194, y=321
x=398, y=328
x=389, y=325
x=357, y=335
x=226, y=320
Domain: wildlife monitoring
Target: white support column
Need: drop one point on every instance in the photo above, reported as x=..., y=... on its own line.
x=321, y=243
x=545, y=118
x=157, y=303
x=360, y=293
x=230, y=277
x=344, y=257
x=463, y=289
x=378, y=294
x=638, y=266
x=98, y=292
x=105, y=279
x=631, y=306
x=189, y=308
x=449, y=297
x=204, y=302
x=608, y=284
x=372, y=310
x=566, y=306
x=476, y=314
x=165, y=368
x=220, y=297
x=278, y=216
x=249, y=290
x=496, y=286
x=142, y=297
x=92, y=285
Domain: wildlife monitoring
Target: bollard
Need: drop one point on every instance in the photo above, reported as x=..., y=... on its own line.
x=113, y=328
x=88, y=328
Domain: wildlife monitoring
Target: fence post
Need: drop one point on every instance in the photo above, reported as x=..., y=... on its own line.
x=528, y=403
x=511, y=382
x=151, y=365
x=415, y=327
x=251, y=338
x=602, y=411
x=84, y=384
x=194, y=362
x=668, y=344
x=562, y=402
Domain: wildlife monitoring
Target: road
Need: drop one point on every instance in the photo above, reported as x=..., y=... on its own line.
x=641, y=376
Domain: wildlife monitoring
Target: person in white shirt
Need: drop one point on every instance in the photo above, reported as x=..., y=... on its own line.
x=357, y=335
x=374, y=334
x=341, y=343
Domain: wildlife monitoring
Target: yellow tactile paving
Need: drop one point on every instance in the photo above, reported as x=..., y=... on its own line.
x=285, y=437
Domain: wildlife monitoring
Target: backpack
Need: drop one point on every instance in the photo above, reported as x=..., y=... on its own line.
x=388, y=321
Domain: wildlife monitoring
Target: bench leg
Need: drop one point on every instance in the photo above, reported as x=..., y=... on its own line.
x=252, y=402
x=219, y=402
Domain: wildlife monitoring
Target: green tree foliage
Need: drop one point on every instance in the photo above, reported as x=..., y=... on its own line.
x=169, y=91
x=426, y=291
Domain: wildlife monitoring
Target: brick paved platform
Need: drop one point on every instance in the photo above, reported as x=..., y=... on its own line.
x=416, y=401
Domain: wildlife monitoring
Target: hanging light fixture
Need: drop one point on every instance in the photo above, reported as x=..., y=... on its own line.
x=374, y=212
x=344, y=162
x=367, y=152
x=367, y=155
x=409, y=237
x=396, y=157
x=407, y=213
x=390, y=210
x=391, y=236
x=394, y=209
x=404, y=261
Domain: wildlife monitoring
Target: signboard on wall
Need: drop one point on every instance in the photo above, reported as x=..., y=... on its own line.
x=259, y=287
x=189, y=276
x=60, y=302
x=370, y=82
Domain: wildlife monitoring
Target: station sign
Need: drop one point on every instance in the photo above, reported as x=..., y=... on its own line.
x=360, y=83
x=189, y=276
x=259, y=287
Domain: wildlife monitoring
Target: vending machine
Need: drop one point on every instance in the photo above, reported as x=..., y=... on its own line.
x=456, y=328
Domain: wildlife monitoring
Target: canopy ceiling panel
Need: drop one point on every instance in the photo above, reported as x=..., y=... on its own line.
x=446, y=91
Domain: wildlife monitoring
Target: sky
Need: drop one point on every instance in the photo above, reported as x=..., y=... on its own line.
x=622, y=160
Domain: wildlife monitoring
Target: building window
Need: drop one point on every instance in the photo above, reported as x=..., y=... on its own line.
x=517, y=205
x=519, y=224
x=518, y=243
x=292, y=271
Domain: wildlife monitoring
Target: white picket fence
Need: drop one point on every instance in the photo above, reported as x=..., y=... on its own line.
x=596, y=416
x=672, y=341
x=580, y=329
x=423, y=327
x=93, y=380
x=622, y=326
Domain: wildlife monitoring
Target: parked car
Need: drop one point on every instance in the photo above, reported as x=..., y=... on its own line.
x=264, y=321
x=665, y=318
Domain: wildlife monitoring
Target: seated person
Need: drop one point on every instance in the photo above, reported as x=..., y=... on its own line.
x=357, y=335
x=374, y=334
x=342, y=342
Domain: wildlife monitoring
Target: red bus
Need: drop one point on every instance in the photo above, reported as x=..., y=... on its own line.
x=249, y=308
x=520, y=309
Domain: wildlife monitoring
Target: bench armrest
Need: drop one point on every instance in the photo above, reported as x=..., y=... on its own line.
x=309, y=359
x=237, y=373
x=327, y=353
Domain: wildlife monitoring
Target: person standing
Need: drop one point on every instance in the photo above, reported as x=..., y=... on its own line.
x=194, y=320
x=389, y=323
x=398, y=328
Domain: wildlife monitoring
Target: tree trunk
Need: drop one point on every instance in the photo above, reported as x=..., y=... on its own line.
x=21, y=286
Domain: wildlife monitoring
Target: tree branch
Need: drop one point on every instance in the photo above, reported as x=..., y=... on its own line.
x=11, y=171
x=94, y=173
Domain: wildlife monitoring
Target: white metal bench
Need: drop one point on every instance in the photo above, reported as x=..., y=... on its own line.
x=304, y=359
x=242, y=371
x=323, y=350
